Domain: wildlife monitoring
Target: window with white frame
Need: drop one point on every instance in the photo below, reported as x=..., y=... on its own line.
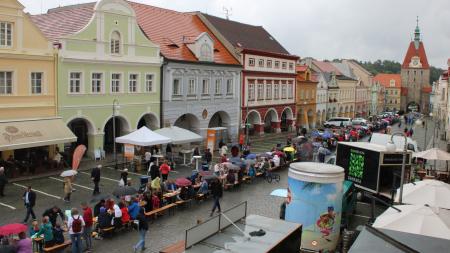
x=261, y=63
x=97, y=83
x=269, y=64
x=291, y=67
x=268, y=90
x=291, y=90
x=115, y=82
x=277, y=64
x=205, y=52
x=251, y=91
x=133, y=83
x=36, y=82
x=251, y=62
x=260, y=93
x=149, y=82
x=115, y=43
x=307, y=94
x=176, y=87
x=5, y=34
x=283, y=91
x=230, y=86
x=205, y=87
x=75, y=82
x=191, y=87
x=283, y=65
x=6, y=82
x=218, y=87
x=276, y=90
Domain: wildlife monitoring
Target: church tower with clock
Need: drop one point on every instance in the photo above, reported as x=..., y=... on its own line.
x=415, y=73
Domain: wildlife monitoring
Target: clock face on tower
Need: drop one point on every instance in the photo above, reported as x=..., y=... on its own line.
x=415, y=62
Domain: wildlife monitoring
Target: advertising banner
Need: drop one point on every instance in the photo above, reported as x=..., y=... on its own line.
x=128, y=151
x=211, y=139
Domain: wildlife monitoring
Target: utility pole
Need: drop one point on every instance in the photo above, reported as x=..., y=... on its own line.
x=227, y=12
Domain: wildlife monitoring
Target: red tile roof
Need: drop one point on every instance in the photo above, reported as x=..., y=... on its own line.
x=413, y=52
x=385, y=80
x=63, y=21
x=301, y=68
x=326, y=67
x=172, y=30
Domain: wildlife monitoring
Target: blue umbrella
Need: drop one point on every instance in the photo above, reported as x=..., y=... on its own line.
x=279, y=193
x=327, y=135
x=315, y=133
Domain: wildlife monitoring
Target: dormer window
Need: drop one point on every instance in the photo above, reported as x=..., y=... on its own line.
x=205, y=52
x=115, y=43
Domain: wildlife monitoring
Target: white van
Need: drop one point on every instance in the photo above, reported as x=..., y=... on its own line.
x=337, y=122
x=399, y=141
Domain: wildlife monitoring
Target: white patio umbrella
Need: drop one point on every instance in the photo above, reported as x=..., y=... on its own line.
x=68, y=173
x=415, y=219
x=433, y=154
x=431, y=192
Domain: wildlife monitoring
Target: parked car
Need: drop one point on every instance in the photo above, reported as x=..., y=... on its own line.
x=337, y=122
x=357, y=121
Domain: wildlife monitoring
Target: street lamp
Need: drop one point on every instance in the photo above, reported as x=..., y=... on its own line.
x=115, y=106
x=392, y=147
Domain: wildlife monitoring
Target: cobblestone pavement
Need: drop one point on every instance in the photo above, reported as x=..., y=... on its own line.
x=163, y=231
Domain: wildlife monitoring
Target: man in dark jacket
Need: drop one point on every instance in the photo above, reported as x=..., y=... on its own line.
x=143, y=228
x=95, y=176
x=217, y=192
x=208, y=156
x=53, y=213
x=29, y=199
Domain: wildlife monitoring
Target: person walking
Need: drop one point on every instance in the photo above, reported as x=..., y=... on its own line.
x=75, y=226
x=323, y=152
x=124, y=177
x=143, y=228
x=95, y=176
x=67, y=189
x=164, y=169
x=217, y=193
x=207, y=156
x=29, y=199
x=88, y=222
x=3, y=181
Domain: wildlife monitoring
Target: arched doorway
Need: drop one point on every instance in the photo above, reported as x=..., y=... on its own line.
x=329, y=113
x=271, y=116
x=351, y=113
x=149, y=120
x=219, y=119
x=122, y=127
x=285, y=116
x=82, y=128
x=341, y=111
x=310, y=115
x=346, y=113
x=253, y=118
x=188, y=121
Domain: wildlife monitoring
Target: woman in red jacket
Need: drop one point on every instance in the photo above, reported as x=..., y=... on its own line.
x=164, y=169
x=125, y=214
x=88, y=221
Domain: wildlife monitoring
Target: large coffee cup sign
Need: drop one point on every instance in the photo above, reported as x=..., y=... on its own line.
x=12, y=133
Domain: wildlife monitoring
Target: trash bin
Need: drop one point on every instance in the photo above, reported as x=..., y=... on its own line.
x=315, y=200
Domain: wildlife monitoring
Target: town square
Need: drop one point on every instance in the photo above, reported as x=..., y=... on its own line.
x=224, y=126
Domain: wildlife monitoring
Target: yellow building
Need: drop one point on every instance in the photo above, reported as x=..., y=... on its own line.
x=392, y=84
x=27, y=87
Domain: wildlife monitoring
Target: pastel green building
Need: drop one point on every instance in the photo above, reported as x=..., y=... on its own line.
x=106, y=66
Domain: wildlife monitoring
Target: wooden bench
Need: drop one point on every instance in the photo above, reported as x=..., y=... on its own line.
x=200, y=196
x=106, y=231
x=183, y=203
x=58, y=247
x=160, y=210
x=259, y=174
x=246, y=179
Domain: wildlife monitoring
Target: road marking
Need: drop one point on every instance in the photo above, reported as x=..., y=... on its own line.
x=78, y=185
x=107, y=178
x=11, y=207
x=41, y=192
x=129, y=172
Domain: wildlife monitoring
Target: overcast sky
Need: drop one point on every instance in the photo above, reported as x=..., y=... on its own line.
x=327, y=29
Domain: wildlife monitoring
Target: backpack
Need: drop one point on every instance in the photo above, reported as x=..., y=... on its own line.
x=58, y=235
x=77, y=225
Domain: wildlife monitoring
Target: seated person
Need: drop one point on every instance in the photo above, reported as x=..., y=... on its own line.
x=155, y=201
x=125, y=214
x=156, y=184
x=97, y=207
x=191, y=192
x=183, y=194
x=171, y=186
x=34, y=228
x=46, y=229
x=104, y=218
x=203, y=187
x=276, y=160
x=231, y=178
x=117, y=221
x=133, y=208
x=58, y=234
x=148, y=202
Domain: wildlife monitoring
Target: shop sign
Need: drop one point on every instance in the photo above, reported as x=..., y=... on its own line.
x=129, y=151
x=12, y=133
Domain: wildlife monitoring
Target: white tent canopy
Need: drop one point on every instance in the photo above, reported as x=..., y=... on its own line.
x=433, y=154
x=143, y=137
x=416, y=219
x=431, y=192
x=179, y=135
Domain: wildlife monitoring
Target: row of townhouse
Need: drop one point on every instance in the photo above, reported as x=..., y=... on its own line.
x=439, y=104
x=85, y=73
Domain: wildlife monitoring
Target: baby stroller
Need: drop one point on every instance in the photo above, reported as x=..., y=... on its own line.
x=143, y=183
